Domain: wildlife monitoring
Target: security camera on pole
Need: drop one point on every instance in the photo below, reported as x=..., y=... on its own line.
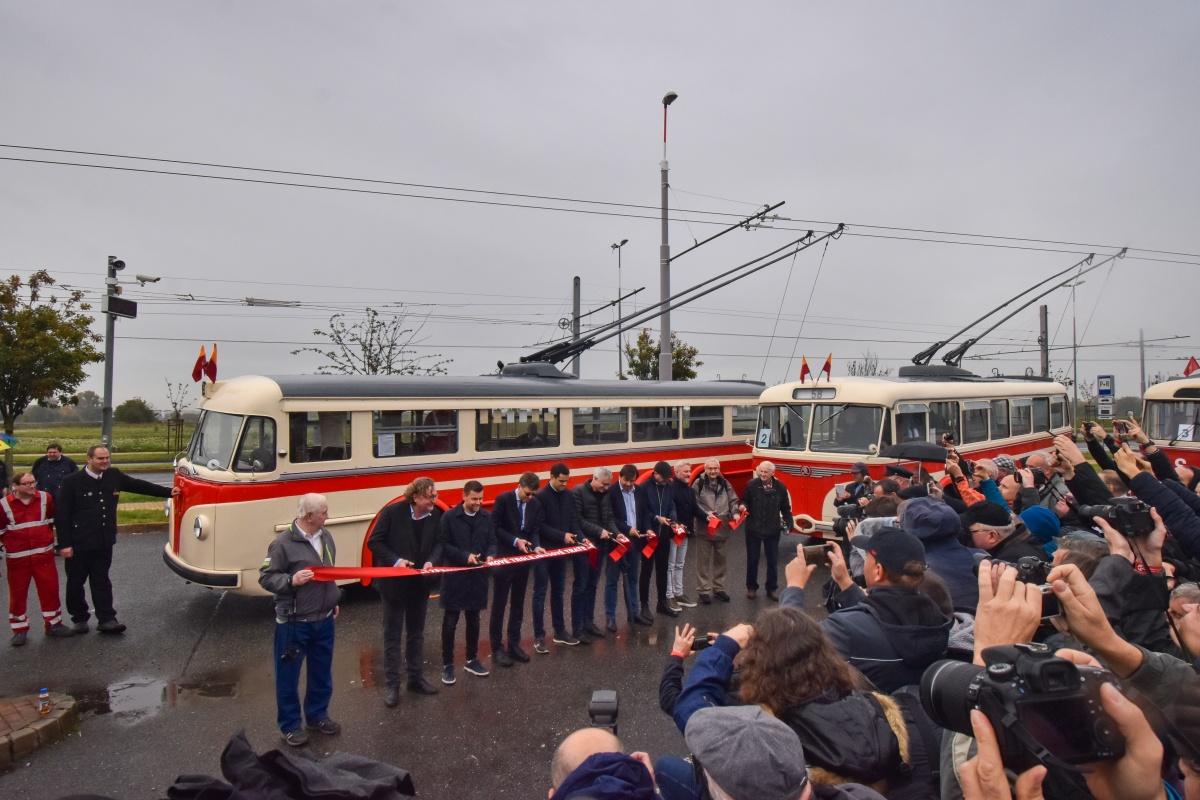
x=665, y=354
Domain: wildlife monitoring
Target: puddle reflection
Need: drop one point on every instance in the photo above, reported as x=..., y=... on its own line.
x=137, y=699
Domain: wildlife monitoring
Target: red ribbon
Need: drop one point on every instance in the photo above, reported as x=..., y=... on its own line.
x=736, y=522
x=680, y=533
x=651, y=544
x=340, y=573
x=713, y=524
x=619, y=550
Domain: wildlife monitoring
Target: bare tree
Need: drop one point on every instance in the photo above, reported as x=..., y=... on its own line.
x=867, y=366
x=376, y=345
x=178, y=398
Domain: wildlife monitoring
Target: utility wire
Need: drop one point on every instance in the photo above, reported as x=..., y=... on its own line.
x=803, y=319
x=782, y=300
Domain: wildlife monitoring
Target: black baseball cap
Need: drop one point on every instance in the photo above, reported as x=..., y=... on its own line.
x=892, y=547
x=860, y=467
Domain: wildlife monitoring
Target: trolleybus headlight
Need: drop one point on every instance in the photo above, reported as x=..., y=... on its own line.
x=198, y=527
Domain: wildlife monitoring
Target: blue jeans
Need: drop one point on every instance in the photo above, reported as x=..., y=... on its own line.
x=552, y=572
x=311, y=641
x=625, y=571
x=676, y=778
x=771, y=544
x=583, y=593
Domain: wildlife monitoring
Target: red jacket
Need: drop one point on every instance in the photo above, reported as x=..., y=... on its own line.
x=27, y=529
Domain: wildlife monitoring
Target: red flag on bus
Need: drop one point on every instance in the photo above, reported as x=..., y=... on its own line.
x=198, y=367
x=827, y=369
x=805, y=372
x=210, y=369
x=1191, y=367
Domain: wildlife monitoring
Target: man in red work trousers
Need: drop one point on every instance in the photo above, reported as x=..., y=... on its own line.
x=27, y=532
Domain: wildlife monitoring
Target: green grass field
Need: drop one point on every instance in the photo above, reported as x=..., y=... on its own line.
x=141, y=442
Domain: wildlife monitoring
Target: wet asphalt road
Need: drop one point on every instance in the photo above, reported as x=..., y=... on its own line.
x=195, y=667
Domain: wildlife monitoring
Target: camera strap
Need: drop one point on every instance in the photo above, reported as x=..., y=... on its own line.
x=1013, y=724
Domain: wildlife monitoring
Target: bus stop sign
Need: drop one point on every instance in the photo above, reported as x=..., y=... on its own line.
x=1106, y=386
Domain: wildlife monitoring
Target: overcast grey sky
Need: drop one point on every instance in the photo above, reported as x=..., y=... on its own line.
x=1073, y=122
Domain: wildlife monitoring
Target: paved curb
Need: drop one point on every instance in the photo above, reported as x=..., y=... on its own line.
x=23, y=729
x=143, y=527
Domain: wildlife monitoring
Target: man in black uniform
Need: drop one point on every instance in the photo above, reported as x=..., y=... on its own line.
x=85, y=514
x=517, y=517
x=404, y=536
x=466, y=539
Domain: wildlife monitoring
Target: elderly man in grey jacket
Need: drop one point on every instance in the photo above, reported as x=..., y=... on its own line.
x=305, y=610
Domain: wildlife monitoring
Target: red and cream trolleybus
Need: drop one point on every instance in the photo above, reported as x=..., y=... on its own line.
x=814, y=432
x=262, y=442
x=1171, y=417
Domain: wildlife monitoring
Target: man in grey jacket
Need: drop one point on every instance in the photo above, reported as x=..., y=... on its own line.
x=305, y=610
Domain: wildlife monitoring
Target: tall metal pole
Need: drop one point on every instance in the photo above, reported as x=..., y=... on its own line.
x=106, y=419
x=665, y=351
x=1044, y=339
x=1074, y=354
x=1142, y=359
x=575, y=323
x=620, y=338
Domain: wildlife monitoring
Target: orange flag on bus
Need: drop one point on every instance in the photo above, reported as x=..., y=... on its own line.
x=198, y=367
x=1191, y=367
x=827, y=369
x=210, y=369
x=805, y=372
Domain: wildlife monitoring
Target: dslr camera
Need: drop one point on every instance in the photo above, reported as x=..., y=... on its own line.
x=1044, y=709
x=1127, y=515
x=602, y=709
x=1031, y=569
x=847, y=512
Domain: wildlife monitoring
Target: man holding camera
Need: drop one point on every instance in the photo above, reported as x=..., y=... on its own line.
x=858, y=488
x=305, y=610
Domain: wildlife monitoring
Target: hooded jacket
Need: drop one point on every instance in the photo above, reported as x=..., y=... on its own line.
x=1043, y=525
x=938, y=526
x=608, y=776
x=850, y=737
x=890, y=635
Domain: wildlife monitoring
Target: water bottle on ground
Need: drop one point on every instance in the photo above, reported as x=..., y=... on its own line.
x=43, y=702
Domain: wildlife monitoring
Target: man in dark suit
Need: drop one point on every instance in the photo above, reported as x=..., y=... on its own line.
x=404, y=536
x=560, y=528
x=657, y=511
x=624, y=498
x=466, y=539
x=517, y=516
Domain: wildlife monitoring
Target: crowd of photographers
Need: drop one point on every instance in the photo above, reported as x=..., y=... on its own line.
x=1008, y=630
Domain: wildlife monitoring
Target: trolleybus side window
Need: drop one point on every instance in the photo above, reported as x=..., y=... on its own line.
x=1173, y=420
x=1041, y=413
x=516, y=428
x=702, y=421
x=845, y=428
x=413, y=433
x=745, y=420
x=601, y=425
x=975, y=421
x=910, y=422
x=213, y=443
x=1058, y=412
x=655, y=424
x=256, y=453
x=783, y=427
x=999, y=419
x=319, y=436
x=943, y=419
x=1021, y=416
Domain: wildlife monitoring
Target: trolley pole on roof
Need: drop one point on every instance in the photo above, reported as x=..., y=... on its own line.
x=665, y=351
x=575, y=323
x=1044, y=338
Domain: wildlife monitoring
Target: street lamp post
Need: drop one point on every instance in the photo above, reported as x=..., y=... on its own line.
x=115, y=265
x=620, y=340
x=664, y=260
x=1075, y=353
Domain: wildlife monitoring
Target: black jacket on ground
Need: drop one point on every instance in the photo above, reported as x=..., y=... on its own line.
x=459, y=535
x=506, y=518
x=890, y=635
x=51, y=474
x=769, y=508
x=395, y=536
x=558, y=516
x=686, y=508
x=595, y=513
x=85, y=510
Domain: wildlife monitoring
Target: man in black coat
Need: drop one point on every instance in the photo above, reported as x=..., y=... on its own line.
x=686, y=510
x=560, y=528
x=405, y=536
x=657, y=509
x=86, y=523
x=595, y=514
x=52, y=468
x=624, y=499
x=466, y=538
x=517, y=517
x=770, y=514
